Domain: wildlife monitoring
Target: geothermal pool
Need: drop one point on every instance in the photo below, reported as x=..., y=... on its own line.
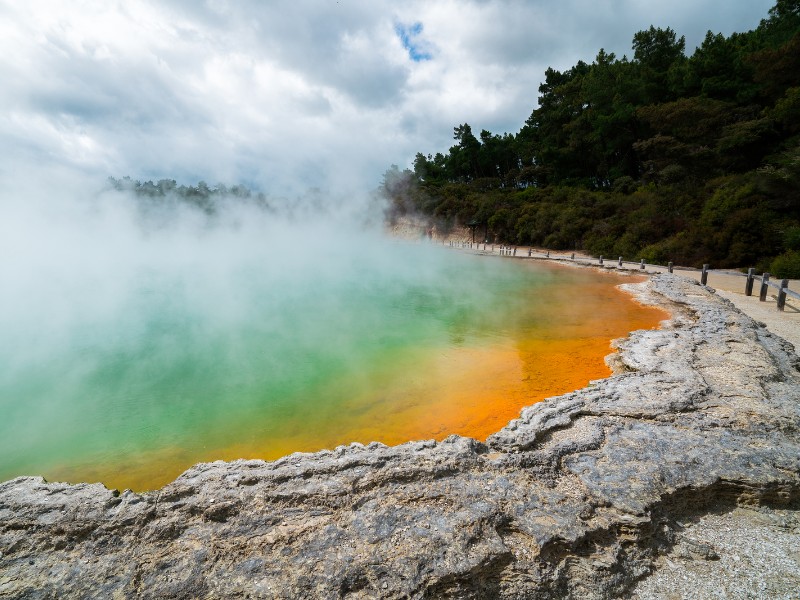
x=129, y=375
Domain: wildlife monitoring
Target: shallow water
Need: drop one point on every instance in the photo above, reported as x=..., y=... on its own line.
x=242, y=360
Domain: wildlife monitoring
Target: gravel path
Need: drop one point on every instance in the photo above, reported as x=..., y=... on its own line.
x=745, y=553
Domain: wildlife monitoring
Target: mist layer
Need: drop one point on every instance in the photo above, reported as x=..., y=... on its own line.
x=139, y=339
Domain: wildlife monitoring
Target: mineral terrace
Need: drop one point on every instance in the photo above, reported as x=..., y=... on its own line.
x=575, y=499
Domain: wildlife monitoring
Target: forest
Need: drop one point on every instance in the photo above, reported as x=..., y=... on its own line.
x=662, y=156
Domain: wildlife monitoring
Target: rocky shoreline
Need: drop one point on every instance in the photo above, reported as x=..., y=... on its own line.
x=580, y=497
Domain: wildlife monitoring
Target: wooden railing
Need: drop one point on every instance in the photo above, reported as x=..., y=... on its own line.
x=783, y=287
x=750, y=277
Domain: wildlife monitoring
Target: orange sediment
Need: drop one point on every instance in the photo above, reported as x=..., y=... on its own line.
x=476, y=391
x=470, y=390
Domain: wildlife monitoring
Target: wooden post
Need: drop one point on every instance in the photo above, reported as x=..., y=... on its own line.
x=619, y=263
x=669, y=266
x=704, y=275
x=601, y=260
x=748, y=287
x=782, y=294
x=762, y=295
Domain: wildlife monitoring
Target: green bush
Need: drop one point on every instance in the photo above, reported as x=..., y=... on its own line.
x=655, y=254
x=786, y=266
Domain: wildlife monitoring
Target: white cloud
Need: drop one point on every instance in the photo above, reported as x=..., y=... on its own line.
x=293, y=94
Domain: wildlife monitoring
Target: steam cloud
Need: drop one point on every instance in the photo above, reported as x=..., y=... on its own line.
x=107, y=294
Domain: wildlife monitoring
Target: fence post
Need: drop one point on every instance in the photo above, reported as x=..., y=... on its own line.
x=641, y=265
x=619, y=264
x=762, y=295
x=782, y=294
x=748, y=287
x=669, y=266
x=601, y=260
x=704, y=275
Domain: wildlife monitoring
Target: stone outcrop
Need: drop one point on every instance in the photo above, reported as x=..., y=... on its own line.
x=575, y=498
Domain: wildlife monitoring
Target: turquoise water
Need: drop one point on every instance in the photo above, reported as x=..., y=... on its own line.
x=109, y=369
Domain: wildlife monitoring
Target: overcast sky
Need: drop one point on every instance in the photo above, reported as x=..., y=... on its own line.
x=287, y=95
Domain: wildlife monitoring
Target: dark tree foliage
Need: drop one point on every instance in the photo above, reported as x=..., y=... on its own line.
x=668, y=157
x=167, y=192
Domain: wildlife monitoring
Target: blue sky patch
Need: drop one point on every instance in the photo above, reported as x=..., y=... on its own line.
x=410, y=36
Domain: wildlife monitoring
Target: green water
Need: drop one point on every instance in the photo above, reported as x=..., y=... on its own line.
x=104, y=370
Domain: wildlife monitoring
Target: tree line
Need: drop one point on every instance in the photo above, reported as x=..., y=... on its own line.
x=663, y=156
x=201, y=196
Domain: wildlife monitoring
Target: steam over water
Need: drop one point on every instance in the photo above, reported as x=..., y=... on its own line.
x=141, y=337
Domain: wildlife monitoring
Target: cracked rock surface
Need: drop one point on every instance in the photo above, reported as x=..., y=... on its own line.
x=580, y=497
